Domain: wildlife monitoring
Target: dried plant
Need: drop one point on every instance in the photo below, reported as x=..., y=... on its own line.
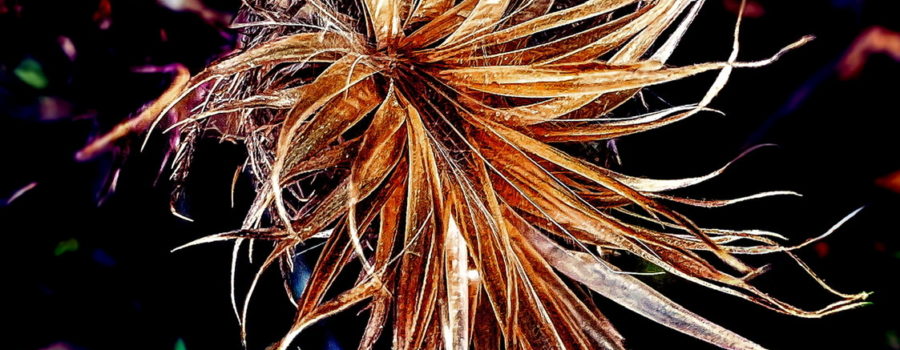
x=429, y=133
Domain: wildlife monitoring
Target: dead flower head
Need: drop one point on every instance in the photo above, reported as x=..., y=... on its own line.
x=433, y=124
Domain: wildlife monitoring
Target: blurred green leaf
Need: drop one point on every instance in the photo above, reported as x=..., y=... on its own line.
x=179, y=344
x=31, y=73
x=69, y=245
x=892, y=340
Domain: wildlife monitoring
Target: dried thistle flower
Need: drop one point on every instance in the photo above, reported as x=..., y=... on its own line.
x=435, y=122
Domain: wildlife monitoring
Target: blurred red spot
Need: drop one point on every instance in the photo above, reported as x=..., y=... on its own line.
x=10, y=7
x=822, y=249
x=880, y=247
x=890, y=181
x=59, y=346
x=874, y=40
x=103, y=15
x=753, y=9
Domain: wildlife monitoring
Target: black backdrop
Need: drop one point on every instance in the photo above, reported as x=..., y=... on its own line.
x=122, y=289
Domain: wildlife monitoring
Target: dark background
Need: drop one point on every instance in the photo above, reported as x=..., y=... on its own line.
x=86, y=270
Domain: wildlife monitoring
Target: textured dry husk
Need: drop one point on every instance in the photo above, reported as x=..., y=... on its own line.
x=437, y=124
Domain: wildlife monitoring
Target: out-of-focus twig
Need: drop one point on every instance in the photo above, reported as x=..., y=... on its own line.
x=139, y=123
x=874, y=40
x=20, y=192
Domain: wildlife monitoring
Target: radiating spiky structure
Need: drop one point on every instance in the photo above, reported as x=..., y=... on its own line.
x=434, y=124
